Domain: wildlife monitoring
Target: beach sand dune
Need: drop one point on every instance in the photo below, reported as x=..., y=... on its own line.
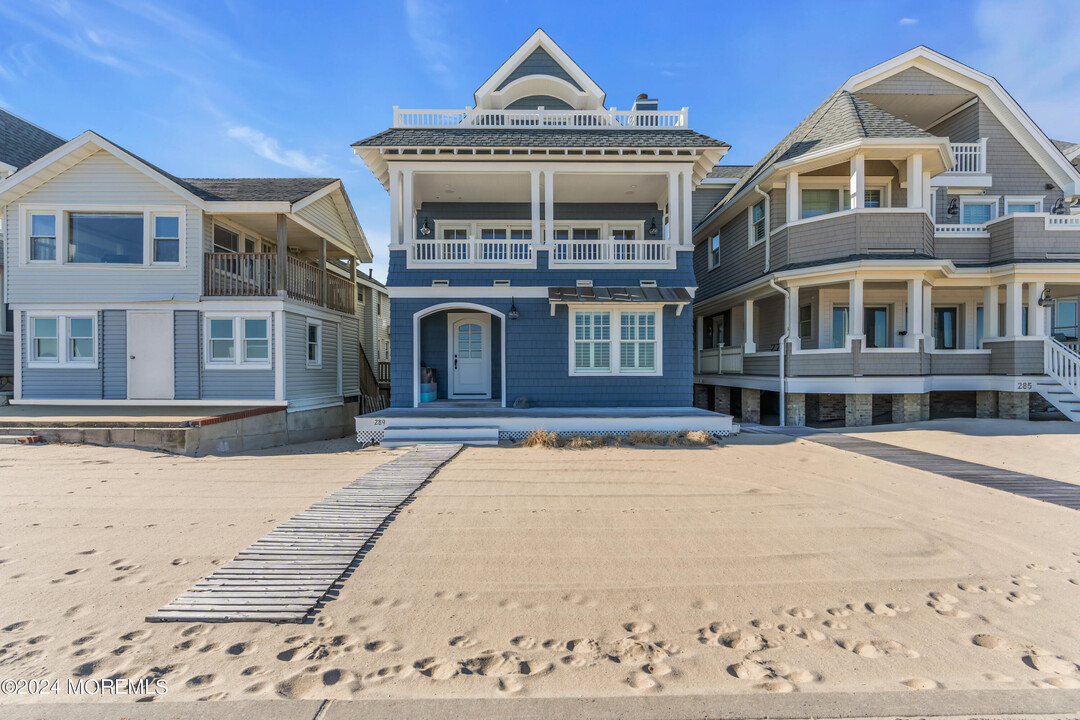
x=763, y=565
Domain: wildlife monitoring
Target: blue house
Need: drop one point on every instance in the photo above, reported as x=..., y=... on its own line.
x=541, y=254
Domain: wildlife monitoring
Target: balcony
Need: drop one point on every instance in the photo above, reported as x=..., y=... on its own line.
x=471, y=250
x=256, y=275
x=866, y=231
x=542, y=118
x=970, y=158
x=611, y=251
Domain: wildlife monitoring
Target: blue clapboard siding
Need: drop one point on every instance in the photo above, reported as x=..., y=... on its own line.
x=7, y=354
x=218, y=384
x=399, y=276
x=539, y=62
x=302, y=382
x=522, y=212
x=537, y=360
x=186, y=360
x=114, y=356
x=62, y=382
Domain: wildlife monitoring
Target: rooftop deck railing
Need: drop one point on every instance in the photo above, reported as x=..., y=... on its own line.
x=542, y=118
x=471, y=250
x=970, y=157
x=255, y=275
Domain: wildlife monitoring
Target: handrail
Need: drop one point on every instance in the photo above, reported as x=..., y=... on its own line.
x=255, y=275
x=609, y=251
x=970, y=157
x=541, y=117
x=1062, y=364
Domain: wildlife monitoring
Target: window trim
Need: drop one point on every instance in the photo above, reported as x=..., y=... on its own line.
x=239, y=362
x=615, y=310
x=1036, y=200
x=751, y=241
x=809, y=307
x=713, y=262
x=62, y=340
x=317, y=363
x=62, y=215
x=991, y=200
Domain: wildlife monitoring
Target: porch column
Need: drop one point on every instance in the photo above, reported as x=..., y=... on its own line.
x=549, y=207
x=857, y=187
x=915, y=327
x=928, y=315
x=990, y=312
x=914, y=182
x=699, y=342
x=749, y=345
x=282, y=254
x=534, y=193
x=1014, y=308
x=791, y=192
x=352, y=283
x=856, y=314
x=673, y=206
x=395, y=206
x=408, y=224
x=927, y=191
x=793, y=319
x=686, y=212
x=322, y=271
x=1036, y=314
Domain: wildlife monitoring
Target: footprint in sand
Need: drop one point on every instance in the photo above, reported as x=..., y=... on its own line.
x=641, y=681
x=463, y=641
x=579, y=599
x=761, y=624
x=1023, y=581
x=919, y=683
x=840, y=611
x=391, y=672
x=510, y=685
x=877, y=648
x=13, y=627
x=991, y=642
x=1053, y=664
x=382, y=646
x=88, y=552
x=801, y=613
x=135, y=636
x=1061, y=683
x=180, y=561
x=638, y=627
x=1019, y=598
x=803, y=633
x=525, y=642
x=239, y=648
x=776, y=686
x=835, y=625
x=437, y=668
x=998, y=677
x=657, y=669
x=193, y=630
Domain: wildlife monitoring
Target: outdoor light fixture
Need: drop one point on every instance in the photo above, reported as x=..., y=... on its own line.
x=1045, y=300
x=424, y=229
x=954, y=207
x=513, y=314
x=1059, y=207
x=652, y=228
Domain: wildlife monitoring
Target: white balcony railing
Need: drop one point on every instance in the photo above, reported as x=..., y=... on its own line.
x=542, y=118
x=611, y=250
x=970, y=157
x=959, y=229
x=502, y=252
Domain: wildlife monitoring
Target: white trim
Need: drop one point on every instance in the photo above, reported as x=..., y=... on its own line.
x=483, y=319
x=62, y=337
x=17, y=319
x=419, y=314
x=279, y=355
x=239, y=362
x=615, y=311
x=751, y=240
x=144, y=403
x=1036, y=200
x=315, y=364
x=991, y=200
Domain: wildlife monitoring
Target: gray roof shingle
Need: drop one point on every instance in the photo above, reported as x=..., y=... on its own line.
x=22, y=142
x=729, y=171
x=1065, y=146
x=255, y=189
x=528, y=137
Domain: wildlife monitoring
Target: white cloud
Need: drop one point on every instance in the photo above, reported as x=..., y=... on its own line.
x=269, y=148
x=1026, y=47
x=908, y=21
x=427, y=23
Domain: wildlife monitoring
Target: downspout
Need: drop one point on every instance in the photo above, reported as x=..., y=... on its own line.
x=768, y=229
x=783, y=343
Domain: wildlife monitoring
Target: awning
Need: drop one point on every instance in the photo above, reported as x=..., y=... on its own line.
x=678, y=296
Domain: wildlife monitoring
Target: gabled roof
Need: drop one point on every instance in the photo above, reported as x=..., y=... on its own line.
x=256, y=189
x=729, y=171
x=564, y=79
x=1070, y=149
x=524, y=137
x=22, y=142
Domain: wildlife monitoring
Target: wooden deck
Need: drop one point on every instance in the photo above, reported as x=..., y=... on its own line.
x=1030, y=486
x=285, y=574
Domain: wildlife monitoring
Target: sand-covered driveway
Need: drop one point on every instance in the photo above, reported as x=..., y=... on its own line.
x=766, y=564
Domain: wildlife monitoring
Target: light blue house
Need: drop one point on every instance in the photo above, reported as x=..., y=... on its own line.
x=129, y=286
x=541, y=253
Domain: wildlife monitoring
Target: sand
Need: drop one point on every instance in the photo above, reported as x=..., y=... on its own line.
x=764, y=565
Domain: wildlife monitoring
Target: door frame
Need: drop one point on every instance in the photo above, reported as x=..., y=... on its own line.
x=459, y=305
x=483, y=319
x=172, y=347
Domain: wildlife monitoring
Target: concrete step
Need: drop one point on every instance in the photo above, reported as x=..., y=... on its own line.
x=21, y=439
x=397, y=436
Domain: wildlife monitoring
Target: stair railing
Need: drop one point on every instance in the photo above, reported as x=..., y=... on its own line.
x=1062, y=364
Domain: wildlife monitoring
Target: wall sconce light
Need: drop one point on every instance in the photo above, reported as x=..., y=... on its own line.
x=1060, y=208
x=954, y=207
x=1046, y=300
x=513, y=314
x=425, y=230
x=652, y=228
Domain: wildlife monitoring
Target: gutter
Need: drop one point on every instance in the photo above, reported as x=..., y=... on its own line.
x=783, y=344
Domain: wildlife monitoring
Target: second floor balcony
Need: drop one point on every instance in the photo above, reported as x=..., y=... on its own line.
x=261, y=275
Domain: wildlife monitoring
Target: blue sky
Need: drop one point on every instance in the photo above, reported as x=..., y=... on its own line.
x=250, y=88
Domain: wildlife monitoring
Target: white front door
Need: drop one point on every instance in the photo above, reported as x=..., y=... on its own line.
x=470, y=355
x=150, y=354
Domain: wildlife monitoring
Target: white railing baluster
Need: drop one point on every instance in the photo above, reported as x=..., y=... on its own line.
x=544, y=117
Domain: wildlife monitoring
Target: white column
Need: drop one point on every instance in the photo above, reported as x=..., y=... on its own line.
x=990, y=312
x=408, y=222
x=1036, y=314
x=749, y=345
x=549, y=207
x=686, y=213
x=791, y=191
x=914, y=182
x=914, y=312
x=928, y=315
x=793, y=318
x=857, y=188
x=673, y=207
x=534, y=190
x=395, y=206
x=927, y=190
x=1014, y=309
x=856, y=314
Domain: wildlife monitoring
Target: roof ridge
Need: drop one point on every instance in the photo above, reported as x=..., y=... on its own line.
x=858, y=115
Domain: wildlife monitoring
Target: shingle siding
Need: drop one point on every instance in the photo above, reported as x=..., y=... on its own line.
x=539, y=62
x=963, y=127
x=913, y=81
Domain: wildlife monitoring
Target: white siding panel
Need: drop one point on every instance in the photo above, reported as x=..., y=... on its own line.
x=102, y=179
x=324, y=214
x=302, y=382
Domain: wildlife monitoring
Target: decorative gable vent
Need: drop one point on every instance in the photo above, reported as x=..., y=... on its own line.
x=501, y=283
x=584, y=283
x=440, y=283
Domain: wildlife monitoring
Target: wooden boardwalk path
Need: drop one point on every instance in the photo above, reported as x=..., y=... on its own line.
x=286, y=573
x=1031, y=486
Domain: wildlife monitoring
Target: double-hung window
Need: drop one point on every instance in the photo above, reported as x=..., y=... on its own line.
x=805, y=322
x=759, y=223
x=314, y=343
x=42, y=237
x=237, y=342
x=62, y=340
x=166, y=241
x=976, y=211
x=592, y=341
x=714, y=251
x=615, y=342
x=225, y=240
x=637, y=341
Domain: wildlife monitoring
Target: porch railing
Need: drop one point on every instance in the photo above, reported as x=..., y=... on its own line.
x=1062, y=364
x=723, y=360
x=255, y=275
x=384, y=371
x=541, y=118
x=970, y=157
x=959, y=229
x=473, y=251
x=610, y=250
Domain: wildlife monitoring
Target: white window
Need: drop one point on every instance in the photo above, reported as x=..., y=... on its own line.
x=359, y=294
x=103, y=235
x=314, y=343
x=166, y=242
x=1031, y=204
x=225, y=240
x=805, y=322
x=234, y=341
x=634, y=348
x=62, y=340
x=714, y=251
x=42, y=237
x=977, y=210
x=759, y=223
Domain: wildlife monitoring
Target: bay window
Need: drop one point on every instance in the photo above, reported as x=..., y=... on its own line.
x=61, y=340
x=234, y=341
x=633, y=349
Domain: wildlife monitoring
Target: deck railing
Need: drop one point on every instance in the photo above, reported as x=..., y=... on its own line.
x=255, y=275
x=970, y=157
x=959, y=229
x=1062, y=364
x=610, y=250
x=542, y=118
x=722, y=360
x=384, y=371
x=472, y=250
